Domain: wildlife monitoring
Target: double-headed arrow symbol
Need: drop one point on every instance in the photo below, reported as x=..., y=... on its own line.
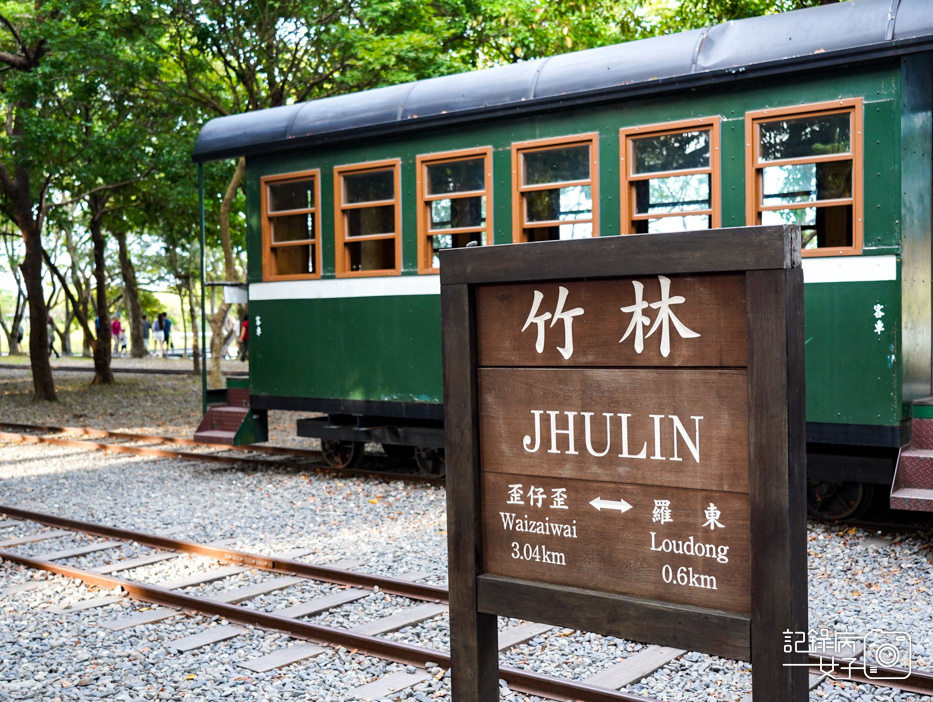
x=601, y=504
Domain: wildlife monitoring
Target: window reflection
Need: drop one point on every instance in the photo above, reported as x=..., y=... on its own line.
x=453, y=203
x=805, y=171
x=555, y=189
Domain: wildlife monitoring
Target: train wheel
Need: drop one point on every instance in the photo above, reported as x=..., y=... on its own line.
x=834, y=501
x=431, y=461
x=342, y=454
x=399, y=455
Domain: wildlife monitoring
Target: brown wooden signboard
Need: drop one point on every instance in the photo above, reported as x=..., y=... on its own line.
x=626, y=446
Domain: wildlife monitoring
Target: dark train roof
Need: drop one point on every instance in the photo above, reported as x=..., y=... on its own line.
x=847, y=31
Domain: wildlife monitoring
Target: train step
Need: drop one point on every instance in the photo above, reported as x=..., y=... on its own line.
x=215, y=437
x=913, y=478
x=232, y=425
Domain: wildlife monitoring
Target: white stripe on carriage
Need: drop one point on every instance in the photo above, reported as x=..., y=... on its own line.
x=378, y=286
x=849, y=269
x=830, y=269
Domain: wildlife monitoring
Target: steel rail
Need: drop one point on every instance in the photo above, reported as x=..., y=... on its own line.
x=850, y=669
x=521, y=680
x=206, y=457
x=119, y=369
x=285, y=566
x=132, y=436
x=843, y=668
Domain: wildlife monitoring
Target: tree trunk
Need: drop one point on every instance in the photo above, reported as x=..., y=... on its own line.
x=195, y=335
x=12, y=332
x=131, y=297
x=230, y=273
x=103, y=374
x=42, y=382
x=19, y=194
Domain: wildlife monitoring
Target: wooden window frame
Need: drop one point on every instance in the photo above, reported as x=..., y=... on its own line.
x=629, y=135
x=341, y=240
x=753, y=206
x=268, y=246
x=425, y=250
x=520, y=148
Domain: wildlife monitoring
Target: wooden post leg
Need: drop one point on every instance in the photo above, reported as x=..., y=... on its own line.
x=474, y=655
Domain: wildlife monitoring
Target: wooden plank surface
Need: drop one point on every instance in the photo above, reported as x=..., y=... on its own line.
x=320, y=604
x=207, y=637
x=156, y=557
x=248, y=592
x=87, y=604
x=513, y=636
x=149, y=616
x=637, y=666
x=16, y=541
x=282, y=657
x=400, y=620
x=629, y=553
x=595, y=322
x=679, y=626
x=524, y=423
x=777, y=441
x=733, y=249
x=204, y=577
x=80, y=551
x=382, y=687
x=473, y=634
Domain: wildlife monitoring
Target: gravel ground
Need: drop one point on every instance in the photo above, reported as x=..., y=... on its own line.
x=858, y=580
x=167, y=405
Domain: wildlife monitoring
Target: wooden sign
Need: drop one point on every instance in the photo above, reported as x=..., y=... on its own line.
x=626, y=446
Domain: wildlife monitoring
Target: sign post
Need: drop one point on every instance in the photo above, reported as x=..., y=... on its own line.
x=626, y=447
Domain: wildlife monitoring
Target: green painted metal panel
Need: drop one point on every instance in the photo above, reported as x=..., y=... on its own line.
x=853, y=369
x=368, y=348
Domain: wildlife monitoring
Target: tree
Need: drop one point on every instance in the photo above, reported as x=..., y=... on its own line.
x=65, y=90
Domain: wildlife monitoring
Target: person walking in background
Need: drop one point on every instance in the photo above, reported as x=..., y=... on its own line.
x=115, y=330
x=229, y=329
x=158, y=334
x=244, y=338
x=167, y=323
x=52, y=338
x=147, y=328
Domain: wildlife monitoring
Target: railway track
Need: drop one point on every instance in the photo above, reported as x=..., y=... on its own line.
x=259, y=456
x=173, y=599
x=120, y=369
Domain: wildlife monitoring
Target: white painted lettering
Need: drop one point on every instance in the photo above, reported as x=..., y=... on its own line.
x=692, y=446
x=690, y=547
x=527, y=440
x=589, y=435
x=625, y=453
x=657, y=437
x=568, y=431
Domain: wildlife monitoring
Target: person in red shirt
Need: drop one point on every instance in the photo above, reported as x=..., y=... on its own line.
x=244, y=338
x=115, y=330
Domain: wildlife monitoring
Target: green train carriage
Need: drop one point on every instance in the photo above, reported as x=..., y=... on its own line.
x=820, y=117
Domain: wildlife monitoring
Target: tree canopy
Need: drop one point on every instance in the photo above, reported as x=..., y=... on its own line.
x=101, y=102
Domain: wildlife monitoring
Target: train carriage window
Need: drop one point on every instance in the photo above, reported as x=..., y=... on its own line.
x=368, y=215
x=454, y=192
x=806, y=169
x=556, y=188
x=670, y=177
x=291, y=226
